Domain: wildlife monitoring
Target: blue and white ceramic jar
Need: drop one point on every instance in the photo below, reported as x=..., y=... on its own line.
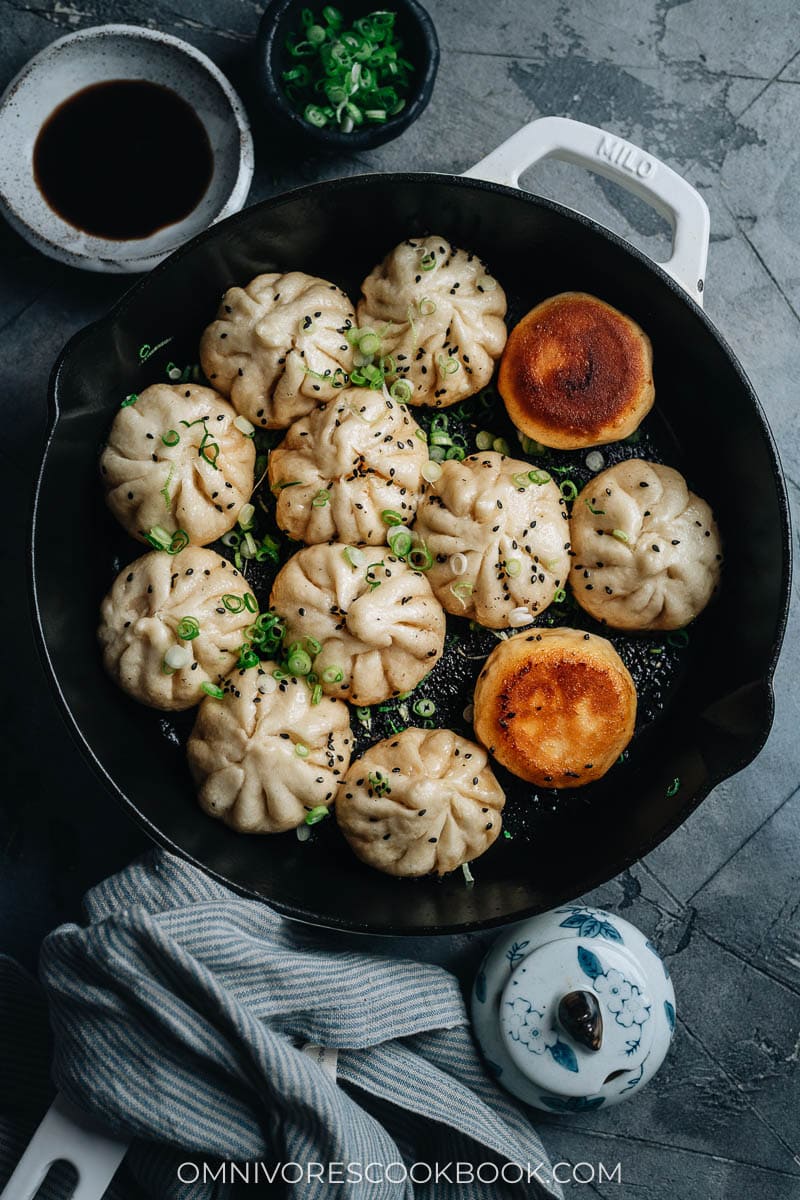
x=573, y=1009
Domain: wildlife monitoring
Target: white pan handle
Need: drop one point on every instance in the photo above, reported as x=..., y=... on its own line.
x=606, y=154
x=67, y=1134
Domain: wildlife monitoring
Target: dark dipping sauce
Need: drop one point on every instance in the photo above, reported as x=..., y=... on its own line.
x=122, y=159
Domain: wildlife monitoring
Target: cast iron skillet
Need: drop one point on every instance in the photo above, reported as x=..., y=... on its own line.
x=706, y=708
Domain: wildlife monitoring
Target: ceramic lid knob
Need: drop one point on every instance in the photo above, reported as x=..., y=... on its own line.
x=579, y=1015
x=573, y=1009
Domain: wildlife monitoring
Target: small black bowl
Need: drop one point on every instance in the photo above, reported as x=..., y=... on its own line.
x=420, y=46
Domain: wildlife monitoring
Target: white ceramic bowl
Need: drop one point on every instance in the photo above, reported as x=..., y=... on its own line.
x=99, y=54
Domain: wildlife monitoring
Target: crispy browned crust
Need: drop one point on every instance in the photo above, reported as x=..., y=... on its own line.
x=576, y=372
x=557, y=707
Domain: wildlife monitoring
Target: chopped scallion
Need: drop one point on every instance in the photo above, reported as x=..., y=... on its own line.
x=211, y=689
x=188, y=629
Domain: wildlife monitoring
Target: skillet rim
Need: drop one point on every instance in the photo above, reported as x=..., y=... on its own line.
x=611, y=869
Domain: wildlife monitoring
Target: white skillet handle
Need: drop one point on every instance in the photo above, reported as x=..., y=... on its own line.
x=67, y=1134
x=606, y=154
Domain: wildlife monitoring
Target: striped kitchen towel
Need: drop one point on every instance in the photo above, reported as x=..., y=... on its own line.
x=214, y=1032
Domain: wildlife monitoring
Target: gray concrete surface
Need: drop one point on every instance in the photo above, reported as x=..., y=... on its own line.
x=712, y=87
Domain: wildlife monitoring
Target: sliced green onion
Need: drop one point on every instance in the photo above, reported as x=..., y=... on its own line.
x=321, y=499
x=399, y=540
x=179, y=541
x=373, y=582
x=158, y=537
x=130, y=399
x=176, y=658
x=301, y=750
x=424, y=708
x=364, y=715
x=332, y=675
x=210, y=452
x=246, y=515
x=431, y=471
x=484, y=440
x=315, y=116
x=368, y=342
x=568, y=489
x=244, y=426
x=530, y=446
x=457, y=453
x=390, y=516
x=298, y=663
x=279, y=487
x=354, y=556
x=269, y=548
x=559, y=596
x=678, y=638
x=250, y=602
x=171, y=437
x=673, y=788
x=316, y=694
x=426, y=307
x=401, y=390
x=233, y=603
x=620, y=535
x=211, y=689
x=513, y=567
x=231, y=538
x=312, y=645
x=539, y=477
x=247, y=658
x=428, y=261
x=447, y=366
x=165, y=489
x=188, y=629
x=420, y=558
x=421, y=434
x=501, y=446
x=598, y=512
x=317, y=814
x=462, y=591
x=379, y=783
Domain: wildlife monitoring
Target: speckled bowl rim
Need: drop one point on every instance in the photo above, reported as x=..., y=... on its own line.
x=96, y=256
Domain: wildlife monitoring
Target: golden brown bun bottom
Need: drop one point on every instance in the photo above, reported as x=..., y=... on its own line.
x=556, y=707
x=577, y=372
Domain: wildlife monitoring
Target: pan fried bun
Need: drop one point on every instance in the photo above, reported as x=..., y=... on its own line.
x=577, y=372
x=556, y=706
